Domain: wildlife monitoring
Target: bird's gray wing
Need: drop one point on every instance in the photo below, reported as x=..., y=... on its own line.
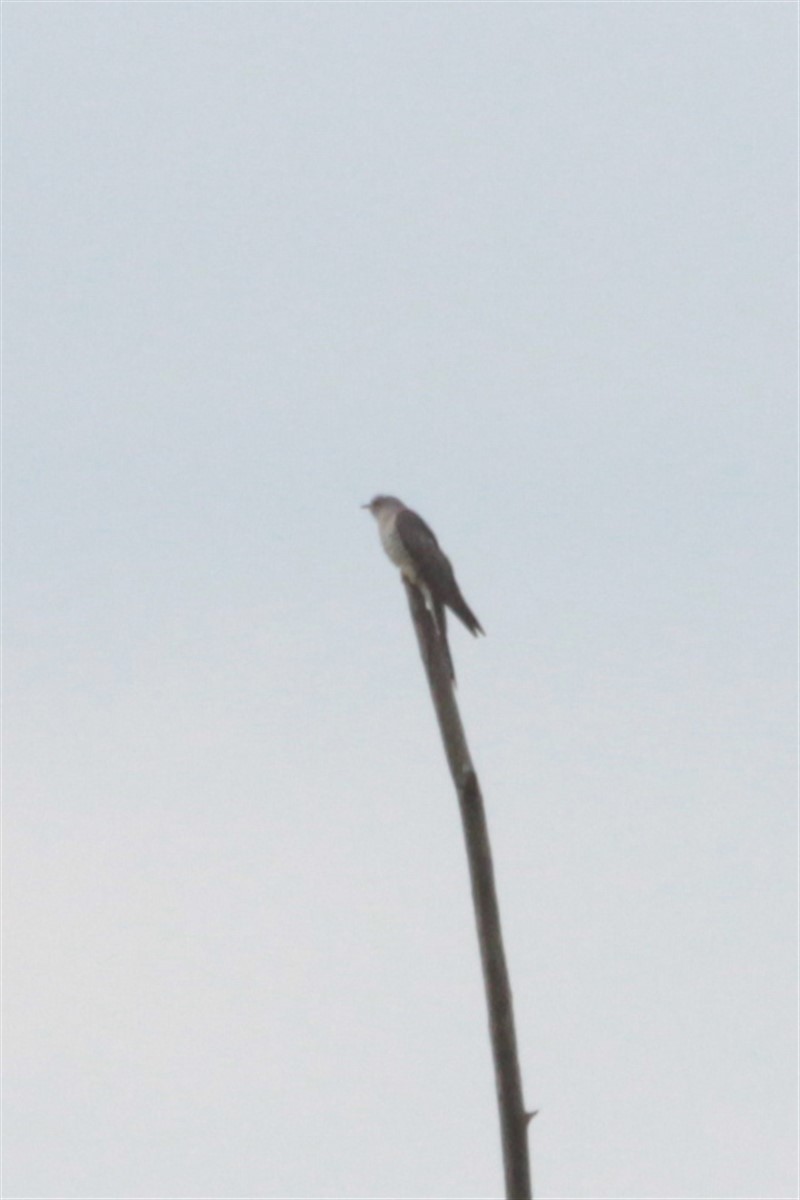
x=417, y=537
x=420, y=542
x=433, y=566
x=434, y=571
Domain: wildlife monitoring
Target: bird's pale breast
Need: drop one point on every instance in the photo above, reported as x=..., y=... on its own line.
x=394, y=547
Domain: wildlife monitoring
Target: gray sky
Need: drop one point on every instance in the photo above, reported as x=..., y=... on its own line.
x=532, y=268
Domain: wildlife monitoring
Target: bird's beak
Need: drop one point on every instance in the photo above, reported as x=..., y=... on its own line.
x=366, y=505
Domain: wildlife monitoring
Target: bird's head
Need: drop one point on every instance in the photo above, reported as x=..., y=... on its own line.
x=383, y=504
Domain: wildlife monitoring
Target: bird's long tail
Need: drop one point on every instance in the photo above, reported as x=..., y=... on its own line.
x=440, y=620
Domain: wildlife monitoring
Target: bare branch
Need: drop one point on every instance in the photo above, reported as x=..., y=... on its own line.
x=514, y=1118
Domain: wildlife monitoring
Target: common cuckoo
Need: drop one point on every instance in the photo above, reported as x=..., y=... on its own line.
x=412, y=546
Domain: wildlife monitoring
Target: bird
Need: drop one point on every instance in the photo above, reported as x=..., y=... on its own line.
x=412, y=546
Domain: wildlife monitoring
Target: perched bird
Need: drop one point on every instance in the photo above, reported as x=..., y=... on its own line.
x=412, y=546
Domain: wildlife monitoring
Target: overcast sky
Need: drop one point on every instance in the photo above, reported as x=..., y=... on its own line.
x=532, y=268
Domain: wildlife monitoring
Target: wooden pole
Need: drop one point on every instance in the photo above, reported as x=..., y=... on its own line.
x=513, y=1117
